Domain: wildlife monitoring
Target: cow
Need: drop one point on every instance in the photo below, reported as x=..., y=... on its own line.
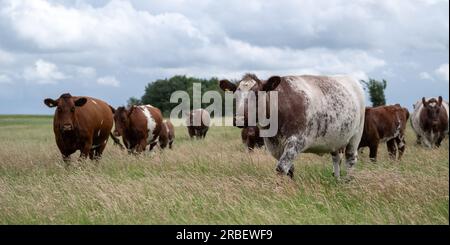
x=430, y=121
x=140, y=126
x=170, y=131
x=251, y=138
x=81, y=123
x=385, y=124
x=198, y=122
x=316, y=114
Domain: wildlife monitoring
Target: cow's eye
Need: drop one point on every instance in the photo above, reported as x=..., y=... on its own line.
x=72, y=109
x=59, y=109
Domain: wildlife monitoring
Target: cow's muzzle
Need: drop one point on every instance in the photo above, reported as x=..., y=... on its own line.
x=67, y=127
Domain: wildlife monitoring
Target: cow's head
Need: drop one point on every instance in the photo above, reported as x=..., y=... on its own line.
x=121, y=120
x=432, y=108
x=65, y=110
x=244, y=90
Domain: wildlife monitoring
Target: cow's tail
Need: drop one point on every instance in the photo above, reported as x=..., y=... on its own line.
x=116, y=140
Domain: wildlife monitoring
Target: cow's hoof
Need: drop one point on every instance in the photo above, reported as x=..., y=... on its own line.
x=291, y=173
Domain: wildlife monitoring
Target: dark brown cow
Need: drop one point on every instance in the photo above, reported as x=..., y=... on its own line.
x=169, y=130
x=250, y=137
x=197, y=122
x=81, y=123
x=430, y=121
x=385, y=124
x=139, y=126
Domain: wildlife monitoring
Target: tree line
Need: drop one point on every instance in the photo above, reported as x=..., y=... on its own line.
x=157, y=93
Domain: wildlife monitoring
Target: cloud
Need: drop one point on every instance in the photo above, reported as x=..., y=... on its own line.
x=425, y=76
x=85, y=72
x=442, y=72
x=6, y=57
x=108, y=81
x=5, y=79
x=141, y=41
x=43, y=72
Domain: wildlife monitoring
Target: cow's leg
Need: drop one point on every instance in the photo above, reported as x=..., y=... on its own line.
x=66, y=158
x=141, y=146
x=351, y=153
x=373, y=148
x=163, y=141
x=152, y=145
x=392, y=148
x=401, y=145
x=293, y=147
x=99, y=151
x=86, y=149
x=336, y=157
x=439, y=140
x=170, y=144
x=91, y=154
x=418, y=139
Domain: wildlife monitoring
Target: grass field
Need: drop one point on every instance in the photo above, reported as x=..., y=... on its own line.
x=214, y=181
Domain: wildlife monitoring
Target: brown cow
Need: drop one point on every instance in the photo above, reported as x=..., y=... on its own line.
x=430, y=121
x=139, y=126
x=197, y=122
x=81, y=123
x=169, y=130
x=385, y=124
x=250, y=137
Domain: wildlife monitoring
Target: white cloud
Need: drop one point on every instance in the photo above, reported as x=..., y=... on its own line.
x=43, y=72
x=442, y=72
x=425, y=76
x=86, y=72
x=108, y=81
x=5, y=79
x=6, y=57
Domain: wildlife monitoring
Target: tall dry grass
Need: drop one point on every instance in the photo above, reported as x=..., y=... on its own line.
x=211, y=181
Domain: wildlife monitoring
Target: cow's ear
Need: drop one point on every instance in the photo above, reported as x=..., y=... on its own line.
x=271, y=84
x=80, y=101
x=440, y=100
x=226, y=85
x=50, y=102
x=424, y=102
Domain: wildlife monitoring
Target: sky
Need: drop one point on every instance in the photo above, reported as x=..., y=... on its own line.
x=112, y=49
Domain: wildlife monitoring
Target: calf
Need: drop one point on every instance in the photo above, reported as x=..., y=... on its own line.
x=385, y=124
x=250, y=137
x=316, y=114
x=197, y=122
x=140, y=126
x=430, y=121
x=169, y=130
x=81, y=123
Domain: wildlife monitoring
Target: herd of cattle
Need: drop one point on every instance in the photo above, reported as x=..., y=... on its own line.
x=316, y=114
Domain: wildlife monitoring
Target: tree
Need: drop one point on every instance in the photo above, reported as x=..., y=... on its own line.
x=157, y=93
x=376, y=91
x=133, y=101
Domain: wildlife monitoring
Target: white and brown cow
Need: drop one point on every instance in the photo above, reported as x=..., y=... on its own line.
x=430, y=121
x=316, y=114
x=140, y=126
